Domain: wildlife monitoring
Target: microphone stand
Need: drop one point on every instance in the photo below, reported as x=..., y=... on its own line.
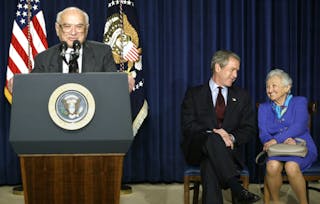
x=73, y=63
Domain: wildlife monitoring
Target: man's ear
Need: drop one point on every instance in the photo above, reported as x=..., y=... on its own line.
x=217, y=67
x=87, y=30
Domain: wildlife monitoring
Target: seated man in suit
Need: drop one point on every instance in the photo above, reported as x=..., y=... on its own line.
x=217, y=119
x=75, y=53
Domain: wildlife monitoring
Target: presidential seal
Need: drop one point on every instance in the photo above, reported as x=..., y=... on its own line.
x=71, y=106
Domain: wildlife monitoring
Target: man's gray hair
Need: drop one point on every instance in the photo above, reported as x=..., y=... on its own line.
x=222, y=57
x=86, y=17
x=284, y=76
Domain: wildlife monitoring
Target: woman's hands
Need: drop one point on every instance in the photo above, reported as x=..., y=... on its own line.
x=289, y=140
x=268, y=144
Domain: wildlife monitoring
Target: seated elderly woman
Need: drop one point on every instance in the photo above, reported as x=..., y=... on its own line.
x=281, y=120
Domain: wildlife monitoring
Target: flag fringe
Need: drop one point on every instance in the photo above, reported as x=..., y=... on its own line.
x=140, y=118
x=8, y=95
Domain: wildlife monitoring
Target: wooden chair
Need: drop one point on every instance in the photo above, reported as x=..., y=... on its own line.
x=192, y=181
x=312, y=173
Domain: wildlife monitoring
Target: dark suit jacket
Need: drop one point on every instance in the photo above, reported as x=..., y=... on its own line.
x=97, y=57
x=198, y=115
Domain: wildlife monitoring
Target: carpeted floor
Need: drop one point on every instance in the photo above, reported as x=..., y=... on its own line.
x=167, y=194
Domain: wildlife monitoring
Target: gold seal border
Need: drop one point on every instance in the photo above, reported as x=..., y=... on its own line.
x=52, y=106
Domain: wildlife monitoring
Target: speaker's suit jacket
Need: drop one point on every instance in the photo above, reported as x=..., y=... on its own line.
x=198, y=115
x=96, y=57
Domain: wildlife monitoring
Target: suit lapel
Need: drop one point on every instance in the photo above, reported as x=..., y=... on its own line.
x=233, y=100
x=56, y=62
x=88, y=58
x=209, y=104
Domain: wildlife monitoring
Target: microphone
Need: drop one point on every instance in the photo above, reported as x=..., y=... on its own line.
x=73, y=64
x=63, y=48
x=76, y=47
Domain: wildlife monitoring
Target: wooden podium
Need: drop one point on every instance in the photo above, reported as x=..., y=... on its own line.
x=61, y=166
x=71, y=179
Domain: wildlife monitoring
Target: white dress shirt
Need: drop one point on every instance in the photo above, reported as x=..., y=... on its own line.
x=215, y=90
x=65, y=67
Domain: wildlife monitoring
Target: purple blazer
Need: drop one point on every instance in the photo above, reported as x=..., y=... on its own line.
x=294, y=124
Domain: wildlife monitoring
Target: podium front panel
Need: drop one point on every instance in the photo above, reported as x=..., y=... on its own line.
x=33, y=131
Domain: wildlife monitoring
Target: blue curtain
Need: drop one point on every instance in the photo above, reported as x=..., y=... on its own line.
x=178, y=40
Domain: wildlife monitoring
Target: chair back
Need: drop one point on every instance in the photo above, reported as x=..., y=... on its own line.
x=312, y=108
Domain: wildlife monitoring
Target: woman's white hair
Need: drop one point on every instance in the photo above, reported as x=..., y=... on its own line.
x=284, y=76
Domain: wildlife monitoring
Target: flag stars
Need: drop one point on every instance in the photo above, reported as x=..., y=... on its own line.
x=35, y=7
x=22, y=21
x=138, y=85
x=116, y=2
x=23, y=8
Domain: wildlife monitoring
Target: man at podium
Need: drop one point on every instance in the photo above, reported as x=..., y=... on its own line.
x=75, y=54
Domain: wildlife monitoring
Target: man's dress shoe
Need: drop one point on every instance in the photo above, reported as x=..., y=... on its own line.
x=247, y=197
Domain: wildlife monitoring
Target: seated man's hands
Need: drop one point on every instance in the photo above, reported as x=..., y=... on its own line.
x=225, y=136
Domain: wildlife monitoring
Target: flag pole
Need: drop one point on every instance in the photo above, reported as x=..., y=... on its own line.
x=125, y=188
x=18, y=190
x=121, y=39
x=29, y=37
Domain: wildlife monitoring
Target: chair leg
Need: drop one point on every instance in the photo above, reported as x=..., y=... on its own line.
x=196, y=192
x=186, y=190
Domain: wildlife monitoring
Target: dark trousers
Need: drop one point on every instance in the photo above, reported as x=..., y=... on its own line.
x=217, y=167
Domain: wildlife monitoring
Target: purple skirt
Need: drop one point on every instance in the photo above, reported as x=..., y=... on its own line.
x=304, y=162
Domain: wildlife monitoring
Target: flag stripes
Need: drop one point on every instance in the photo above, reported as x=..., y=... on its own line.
x=130, y=52
x=27, y=40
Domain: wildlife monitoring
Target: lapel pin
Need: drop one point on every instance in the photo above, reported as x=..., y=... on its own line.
x=234, y=99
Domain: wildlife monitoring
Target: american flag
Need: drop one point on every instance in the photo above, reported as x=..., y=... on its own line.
x=121, y=32
x=29, y=37
x=130, y=52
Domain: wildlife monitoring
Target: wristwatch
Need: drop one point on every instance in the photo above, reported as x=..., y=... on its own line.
x=233, y=139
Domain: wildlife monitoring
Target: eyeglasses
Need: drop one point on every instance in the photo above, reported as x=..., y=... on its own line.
x=79, y=28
